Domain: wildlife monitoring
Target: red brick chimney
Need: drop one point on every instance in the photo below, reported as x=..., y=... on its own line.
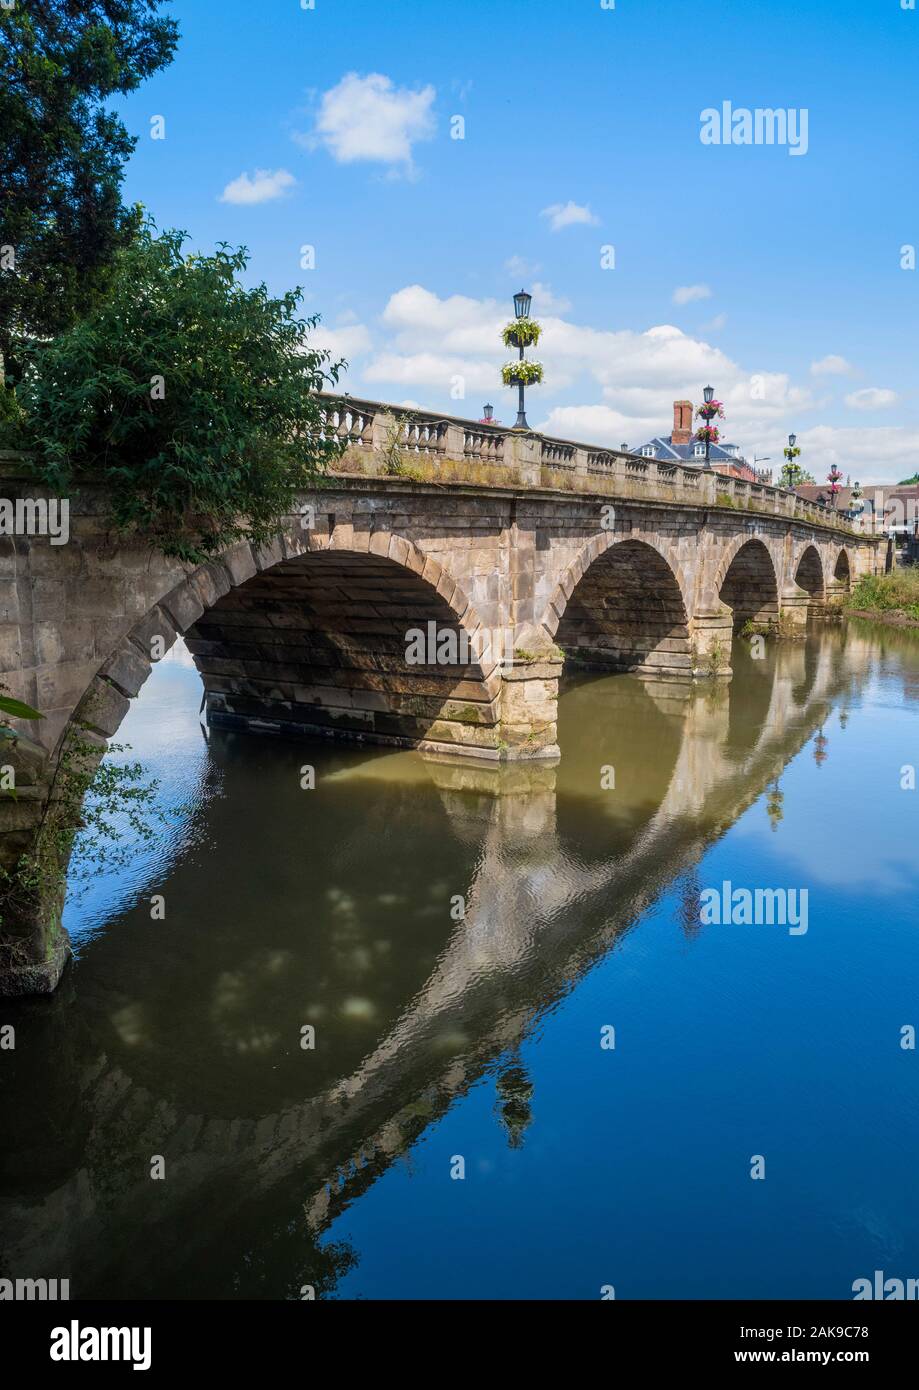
x=682, y=422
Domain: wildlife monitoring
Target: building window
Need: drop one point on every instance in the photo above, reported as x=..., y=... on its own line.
x=648, y=451
x=699, y=451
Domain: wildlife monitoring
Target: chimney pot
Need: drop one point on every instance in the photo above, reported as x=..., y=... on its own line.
x=682, y=422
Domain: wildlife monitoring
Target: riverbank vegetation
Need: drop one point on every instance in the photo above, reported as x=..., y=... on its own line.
x=893, y=596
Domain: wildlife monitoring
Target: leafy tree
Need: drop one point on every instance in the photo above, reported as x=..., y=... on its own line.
x=62, y=155
x=189, y=397
x=908, y=482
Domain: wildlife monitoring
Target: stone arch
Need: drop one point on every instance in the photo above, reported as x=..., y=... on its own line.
x=223, y=607
x=842, y=572
x=304, y=636
x=748, y=585
x=809, y=573
x=620, y=607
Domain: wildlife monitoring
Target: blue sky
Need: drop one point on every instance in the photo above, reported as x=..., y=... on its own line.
x=288, y=127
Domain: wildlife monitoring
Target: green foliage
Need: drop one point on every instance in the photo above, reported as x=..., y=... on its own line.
x=11, y=416
x=62, y=154
x=190, y=398
x=114, y=799
x=715, y=659
x=97, y=800
x=16, y=709
x=393, y=459
x=793, y=475
x=521, y=333
x=906, y=482
x=885, y=593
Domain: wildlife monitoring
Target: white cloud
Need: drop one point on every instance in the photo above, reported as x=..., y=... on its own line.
x=368, y=118
x=871, y=398
x=568, y=215
x=627, y=381
x=832, y=365
x=688, y=294
x=715, y=325
x=520, y=267
x=261, y=187
x=350, y=341
x=603, y=387
x=437, y=371
x=601, y=424
x=884, y=454
x=545, y=302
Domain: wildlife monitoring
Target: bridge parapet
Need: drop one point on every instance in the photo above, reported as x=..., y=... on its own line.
x=379, y=428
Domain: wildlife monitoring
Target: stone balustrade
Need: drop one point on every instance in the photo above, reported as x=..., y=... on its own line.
x=531, y=457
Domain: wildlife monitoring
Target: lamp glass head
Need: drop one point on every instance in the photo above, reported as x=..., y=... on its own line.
x=709, y=393
x=522, y=302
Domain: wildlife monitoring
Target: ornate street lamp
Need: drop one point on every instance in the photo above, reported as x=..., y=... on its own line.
x=791, y=470
x=856, y=501
x=488, y=412
x=711, y=410
x=833, y=478
x=521, y=333
x=708, y=393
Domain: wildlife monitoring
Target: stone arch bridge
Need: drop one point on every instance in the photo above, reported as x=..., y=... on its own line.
x=530, y=551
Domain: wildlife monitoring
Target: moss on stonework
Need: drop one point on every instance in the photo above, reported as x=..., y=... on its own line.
x=468, y=714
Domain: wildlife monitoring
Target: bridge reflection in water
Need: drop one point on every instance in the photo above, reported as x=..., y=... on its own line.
x=332, y=908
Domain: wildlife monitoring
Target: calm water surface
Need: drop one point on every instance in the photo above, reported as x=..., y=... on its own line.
x=479, y=1038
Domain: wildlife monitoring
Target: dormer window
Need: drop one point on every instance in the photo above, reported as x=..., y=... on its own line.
x=699, y=451
x=648, y=451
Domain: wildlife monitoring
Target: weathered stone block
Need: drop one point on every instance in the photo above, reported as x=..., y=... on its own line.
x=156, y=625
x=239, y=563
x=127, y=669
x=102, y=707
x=183, y=605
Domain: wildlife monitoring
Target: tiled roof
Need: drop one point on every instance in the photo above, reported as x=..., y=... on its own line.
x=685, y=453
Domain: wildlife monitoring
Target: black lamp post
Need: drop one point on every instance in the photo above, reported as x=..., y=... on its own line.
x=793, y=468
x=709, y=395
x=522, y=302
x=488, y=412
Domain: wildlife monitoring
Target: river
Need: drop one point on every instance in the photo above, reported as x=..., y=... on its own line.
x=431, y=1030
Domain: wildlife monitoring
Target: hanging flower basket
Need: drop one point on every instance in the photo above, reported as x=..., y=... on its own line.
x=522, y=373
x=710, y=411
x=710, y=433
x=521, y=333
